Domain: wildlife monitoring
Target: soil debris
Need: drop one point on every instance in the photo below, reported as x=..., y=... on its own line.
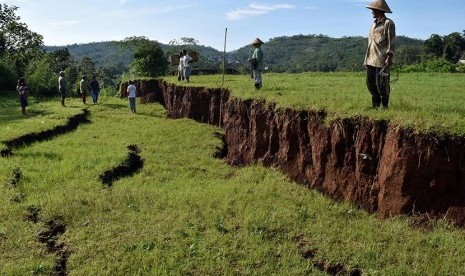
x=55, y=228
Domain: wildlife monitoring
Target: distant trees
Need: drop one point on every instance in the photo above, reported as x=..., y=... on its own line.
x=450, y=47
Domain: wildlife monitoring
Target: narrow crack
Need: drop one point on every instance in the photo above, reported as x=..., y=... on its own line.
x=20, y=142
x=131, y=165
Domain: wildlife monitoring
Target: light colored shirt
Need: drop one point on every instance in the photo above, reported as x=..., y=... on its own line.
x=83, y=87
x=381, y=42
x=61, y=84
x=132, y=91
x=185, y=60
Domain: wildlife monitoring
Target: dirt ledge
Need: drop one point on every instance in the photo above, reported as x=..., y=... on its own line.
x=375, y=165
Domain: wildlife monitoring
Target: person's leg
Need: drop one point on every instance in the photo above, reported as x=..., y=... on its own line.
x=188, y=74
x=132, y=104
x=63, y=96
x=371, y=82
x=384, y=88
x=257, y=76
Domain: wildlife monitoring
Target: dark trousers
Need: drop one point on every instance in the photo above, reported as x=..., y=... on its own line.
x=378, y=86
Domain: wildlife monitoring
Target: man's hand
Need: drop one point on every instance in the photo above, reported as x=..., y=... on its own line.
x=388, y=61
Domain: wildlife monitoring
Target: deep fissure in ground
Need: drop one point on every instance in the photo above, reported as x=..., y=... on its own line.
x=376, y=165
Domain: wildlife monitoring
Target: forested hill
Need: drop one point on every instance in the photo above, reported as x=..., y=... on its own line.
x=110, y=54
x=297, y=53
x=319, y=53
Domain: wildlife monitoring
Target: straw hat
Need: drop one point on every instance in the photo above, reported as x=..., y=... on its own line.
x=380, y=5
x=257, y=41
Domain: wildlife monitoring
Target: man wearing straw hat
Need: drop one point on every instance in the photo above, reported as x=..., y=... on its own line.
x=379, y=54
x=257, y=63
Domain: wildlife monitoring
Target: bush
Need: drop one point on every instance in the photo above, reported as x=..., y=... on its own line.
x=41, y=80
x=8, y=76
x=437, y=65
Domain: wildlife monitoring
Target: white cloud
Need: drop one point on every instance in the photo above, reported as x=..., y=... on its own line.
x=255, y=9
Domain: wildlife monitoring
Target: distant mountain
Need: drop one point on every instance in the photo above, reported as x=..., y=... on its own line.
x=297, y=53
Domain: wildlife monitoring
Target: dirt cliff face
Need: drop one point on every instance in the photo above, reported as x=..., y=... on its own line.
x=375, y=165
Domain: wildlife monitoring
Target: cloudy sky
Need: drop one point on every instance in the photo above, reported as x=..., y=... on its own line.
x=80, y=21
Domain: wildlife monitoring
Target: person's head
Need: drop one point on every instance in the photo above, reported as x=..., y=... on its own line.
x=379, y=8
x=257, y=43
x=184, y=52
x=62, y=73
x=94, y=76
x=84, y=77
x=181, y=54
x=130, y=82
x=22, y=80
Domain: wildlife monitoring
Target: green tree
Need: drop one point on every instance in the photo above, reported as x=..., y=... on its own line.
x=42, y=81
x=86, y=67
x=434, y=46
x=149, y=58
x=17, y=42
x=454, y=44
x=60, y=60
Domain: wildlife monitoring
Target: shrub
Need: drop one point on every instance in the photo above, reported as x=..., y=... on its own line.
x=437, y=65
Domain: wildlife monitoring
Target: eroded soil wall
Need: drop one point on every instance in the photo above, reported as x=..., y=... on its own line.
x=377, y=166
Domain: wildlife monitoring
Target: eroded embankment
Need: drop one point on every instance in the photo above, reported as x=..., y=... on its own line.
x=376, y=165
x=71, y=125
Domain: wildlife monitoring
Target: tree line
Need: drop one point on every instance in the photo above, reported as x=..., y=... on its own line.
x=22, y=53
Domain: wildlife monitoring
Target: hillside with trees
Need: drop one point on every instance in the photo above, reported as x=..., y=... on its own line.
x=22, y=53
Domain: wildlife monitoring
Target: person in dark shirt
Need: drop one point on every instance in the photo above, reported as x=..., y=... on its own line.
x=95, y=88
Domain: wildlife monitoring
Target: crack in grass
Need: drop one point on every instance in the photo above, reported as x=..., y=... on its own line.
x=72, y=124
x=131, y=165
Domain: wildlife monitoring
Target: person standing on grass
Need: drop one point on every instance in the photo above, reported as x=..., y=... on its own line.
x=83, y=88
x=62, y=87
x=185, y=64
x=132, y=96
x=180, y=67
x=380, y=53
x=257, y=63
x=23, y=92
x=95, y=89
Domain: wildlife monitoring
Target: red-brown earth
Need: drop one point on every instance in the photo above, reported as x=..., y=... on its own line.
x=376, y=165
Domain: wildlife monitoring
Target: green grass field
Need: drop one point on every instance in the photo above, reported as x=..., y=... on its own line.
x=425, y=102
x=188, y=213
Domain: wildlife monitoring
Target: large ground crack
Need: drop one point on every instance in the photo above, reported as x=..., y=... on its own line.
x=131, y=165
x=72, y=124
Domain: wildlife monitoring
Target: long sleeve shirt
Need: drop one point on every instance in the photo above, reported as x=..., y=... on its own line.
x=381, y=42
x=258, y=55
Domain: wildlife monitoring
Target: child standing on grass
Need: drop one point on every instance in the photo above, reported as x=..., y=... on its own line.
x=23, y=91
x=132, y=96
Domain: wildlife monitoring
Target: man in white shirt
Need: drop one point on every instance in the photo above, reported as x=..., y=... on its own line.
x=185, y=63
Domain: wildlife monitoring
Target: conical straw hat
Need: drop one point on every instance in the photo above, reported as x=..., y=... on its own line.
x=257, y=41
x=380, y=5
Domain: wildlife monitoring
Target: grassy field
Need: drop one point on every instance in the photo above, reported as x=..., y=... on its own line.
x=187, y=212
x=424, y=102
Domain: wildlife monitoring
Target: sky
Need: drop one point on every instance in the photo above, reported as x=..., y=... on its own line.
x=68, y=22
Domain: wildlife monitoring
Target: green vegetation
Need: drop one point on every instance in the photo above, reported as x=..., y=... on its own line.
x=186, y=212
x=425, y=102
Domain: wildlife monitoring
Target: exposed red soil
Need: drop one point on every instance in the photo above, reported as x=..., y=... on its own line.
x=375, y=165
